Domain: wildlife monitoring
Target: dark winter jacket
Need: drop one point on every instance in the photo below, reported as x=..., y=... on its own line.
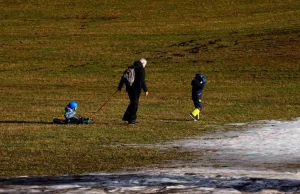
x=139, y=81
x=197, y=87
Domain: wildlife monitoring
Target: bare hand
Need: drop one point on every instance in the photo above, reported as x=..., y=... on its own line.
x=146, y=93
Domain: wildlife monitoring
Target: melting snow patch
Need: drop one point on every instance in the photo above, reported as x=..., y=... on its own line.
x=269, y=142
x=272, y=142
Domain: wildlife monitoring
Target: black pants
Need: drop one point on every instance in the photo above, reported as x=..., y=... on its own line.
x=134, y=96
x=75, y=120
x=197, y=99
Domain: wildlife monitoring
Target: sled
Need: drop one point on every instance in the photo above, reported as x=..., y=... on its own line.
x=62, y=121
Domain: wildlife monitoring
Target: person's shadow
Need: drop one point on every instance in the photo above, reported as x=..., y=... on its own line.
x=26, y=122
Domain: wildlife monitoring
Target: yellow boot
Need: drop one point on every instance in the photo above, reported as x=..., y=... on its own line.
x=195, y=114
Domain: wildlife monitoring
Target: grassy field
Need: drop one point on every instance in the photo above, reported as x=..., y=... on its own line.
x=55, y=51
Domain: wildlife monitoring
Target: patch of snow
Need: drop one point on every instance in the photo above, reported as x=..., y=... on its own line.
x=236, y=159
x=274, y=142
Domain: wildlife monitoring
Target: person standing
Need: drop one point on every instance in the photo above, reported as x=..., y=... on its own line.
x=198, y=84
x=134, y=90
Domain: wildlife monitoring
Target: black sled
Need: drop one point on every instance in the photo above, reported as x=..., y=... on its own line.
x=72, y=121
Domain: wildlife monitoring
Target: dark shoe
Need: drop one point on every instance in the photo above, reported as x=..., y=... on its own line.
x=133, y=122
x=87, y=121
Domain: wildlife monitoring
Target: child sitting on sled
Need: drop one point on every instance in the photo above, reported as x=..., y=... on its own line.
x=70, y=114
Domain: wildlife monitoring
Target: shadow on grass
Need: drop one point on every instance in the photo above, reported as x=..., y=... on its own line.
x=27, y=122
x=138, y=180
x=174, y=120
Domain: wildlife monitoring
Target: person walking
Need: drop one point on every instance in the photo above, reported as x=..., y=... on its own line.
x=134, y=90
x=198, y=84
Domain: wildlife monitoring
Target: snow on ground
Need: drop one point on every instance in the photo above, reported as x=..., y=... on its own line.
x=264, y=158
x=272, y=144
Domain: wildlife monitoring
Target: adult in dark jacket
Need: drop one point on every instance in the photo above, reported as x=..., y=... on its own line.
x=135, y=90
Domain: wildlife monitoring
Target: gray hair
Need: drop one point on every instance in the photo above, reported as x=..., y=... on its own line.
x=143, y=61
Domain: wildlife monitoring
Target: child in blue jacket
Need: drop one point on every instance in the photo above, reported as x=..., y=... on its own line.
x=198, y=84
x=70, y=114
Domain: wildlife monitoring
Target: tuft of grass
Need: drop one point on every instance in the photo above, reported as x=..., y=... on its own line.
x=54, y=52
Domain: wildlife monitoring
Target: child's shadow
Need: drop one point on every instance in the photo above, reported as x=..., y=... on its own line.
x=26, y=122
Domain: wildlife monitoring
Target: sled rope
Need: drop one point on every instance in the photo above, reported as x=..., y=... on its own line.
x=103, y=105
